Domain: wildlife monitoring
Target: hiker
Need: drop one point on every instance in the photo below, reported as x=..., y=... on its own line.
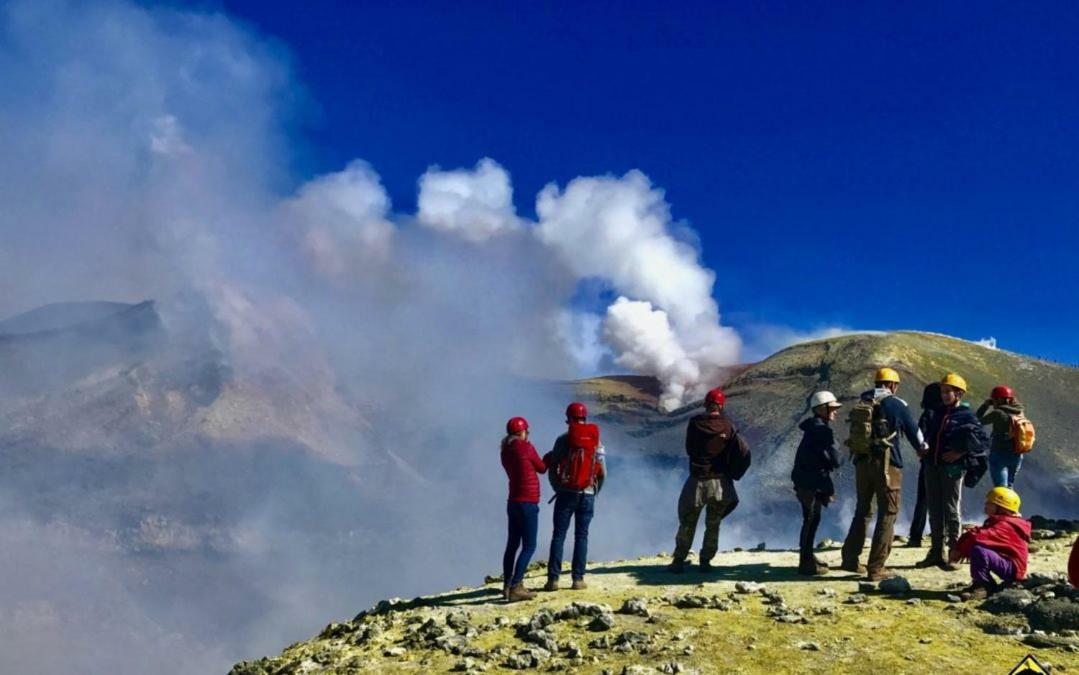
x=930, y=403
x=998, y=547
x=717, y=457
x=814, y=462
x=955, y=439
x=1073, y=564
x=876, y=421
x=1002, y=411
x=578, y=470
x=522, y=464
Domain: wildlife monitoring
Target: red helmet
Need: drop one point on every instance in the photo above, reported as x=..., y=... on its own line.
x=516, y=425
x=1002, y=391
x=576, y=411
x=716, y=396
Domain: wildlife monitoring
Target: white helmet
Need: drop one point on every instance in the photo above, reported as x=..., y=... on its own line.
x=824, y=398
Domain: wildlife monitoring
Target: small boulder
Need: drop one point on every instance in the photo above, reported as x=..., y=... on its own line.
x=761, y=546
x=895, y=586
x=866, y=587
x=748, y=587
x=635, y=607
x=809, y=646
x=857, y=599
x=1054, y=615
x=1008, y=601
x=602, y=622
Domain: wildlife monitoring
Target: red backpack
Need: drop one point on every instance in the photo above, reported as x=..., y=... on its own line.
x=578, y=469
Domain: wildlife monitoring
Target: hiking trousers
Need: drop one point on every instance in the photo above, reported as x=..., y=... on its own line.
x=985, y=562
x=579, y=507
x=943, y=492
x=875, y=480
x=1003, y=465
x=811, y=502
x=523, y=522
x=717, y=497
x=917, y=521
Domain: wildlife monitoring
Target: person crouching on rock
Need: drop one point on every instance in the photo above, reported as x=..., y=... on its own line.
x=815, y=460
x=522, y=463
x=998, y=547
x=717, y=458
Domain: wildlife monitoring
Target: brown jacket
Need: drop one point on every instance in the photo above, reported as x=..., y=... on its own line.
x=714, y=448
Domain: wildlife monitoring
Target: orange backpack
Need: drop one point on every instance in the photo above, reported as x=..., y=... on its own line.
x=1022, y=434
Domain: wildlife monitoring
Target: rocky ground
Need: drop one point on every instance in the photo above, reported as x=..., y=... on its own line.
x=751, y=614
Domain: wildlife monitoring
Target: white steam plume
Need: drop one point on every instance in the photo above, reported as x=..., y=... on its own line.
x=620, y=230
x=476, y=204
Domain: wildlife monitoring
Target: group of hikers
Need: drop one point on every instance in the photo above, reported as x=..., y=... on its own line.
x=949, y=438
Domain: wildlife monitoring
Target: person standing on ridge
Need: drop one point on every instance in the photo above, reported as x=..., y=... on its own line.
x=814, y=462
x=876, y=421
x=1002, y=411
x=522, y=464
x=955, y=436
x=998, y=547
x=930, y=403
x=578, y=469
x=717, y=458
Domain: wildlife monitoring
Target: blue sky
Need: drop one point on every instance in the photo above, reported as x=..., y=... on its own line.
x=850, y=165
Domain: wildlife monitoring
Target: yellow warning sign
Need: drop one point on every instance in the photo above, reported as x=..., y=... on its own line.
x=1029, y=665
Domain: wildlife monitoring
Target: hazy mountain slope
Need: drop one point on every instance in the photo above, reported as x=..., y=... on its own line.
x=769, y=398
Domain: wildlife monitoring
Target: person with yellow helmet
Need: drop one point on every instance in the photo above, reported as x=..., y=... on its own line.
x=998, y=548
x=955, y=439
x=876, y=422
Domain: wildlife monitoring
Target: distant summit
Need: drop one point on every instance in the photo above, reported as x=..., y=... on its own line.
x=62, y=315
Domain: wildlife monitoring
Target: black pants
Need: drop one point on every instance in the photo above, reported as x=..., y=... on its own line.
x=917, y=521
x=811, y=505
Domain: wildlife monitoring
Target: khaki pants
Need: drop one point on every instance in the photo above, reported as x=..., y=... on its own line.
x=875, y=481
x=716, y=496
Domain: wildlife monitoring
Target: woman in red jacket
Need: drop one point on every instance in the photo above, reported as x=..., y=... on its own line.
x=522, y=464
x=998, y=547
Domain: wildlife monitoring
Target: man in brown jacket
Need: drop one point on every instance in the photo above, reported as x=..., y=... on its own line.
x=717, y=457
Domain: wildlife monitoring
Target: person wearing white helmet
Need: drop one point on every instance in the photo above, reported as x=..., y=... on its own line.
x=814, y=462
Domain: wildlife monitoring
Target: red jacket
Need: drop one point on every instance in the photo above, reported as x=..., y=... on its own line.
x=1006, y=535
x=522, y=463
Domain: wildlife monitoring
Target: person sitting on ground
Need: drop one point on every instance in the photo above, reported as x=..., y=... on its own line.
x=522, y=464
x=998, y=547
x=814, y=462
x=998, y=410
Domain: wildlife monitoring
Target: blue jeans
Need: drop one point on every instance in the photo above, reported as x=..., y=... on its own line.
x=523, y=523
x=578, y=506
x=1003, y=466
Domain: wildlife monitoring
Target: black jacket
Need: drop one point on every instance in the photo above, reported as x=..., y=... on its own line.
x=816, y=458
x=956, y=429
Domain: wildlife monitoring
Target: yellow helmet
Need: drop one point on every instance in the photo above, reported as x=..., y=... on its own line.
x=953, y=380
x=887, y=375
x=1005, y=498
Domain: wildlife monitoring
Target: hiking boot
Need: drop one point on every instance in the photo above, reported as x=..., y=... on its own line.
x=931, y=560
x=551, y=585
x=706, y=566
x=812, y=570
x=879, y=575
x=947, y=566
x=974, y=592
x=913, y=543
x=855, y=567
x=519, y=593
x=578, y=585
x=677, y=567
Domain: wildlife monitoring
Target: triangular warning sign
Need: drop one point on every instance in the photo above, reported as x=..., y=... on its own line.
x=1029, y=665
